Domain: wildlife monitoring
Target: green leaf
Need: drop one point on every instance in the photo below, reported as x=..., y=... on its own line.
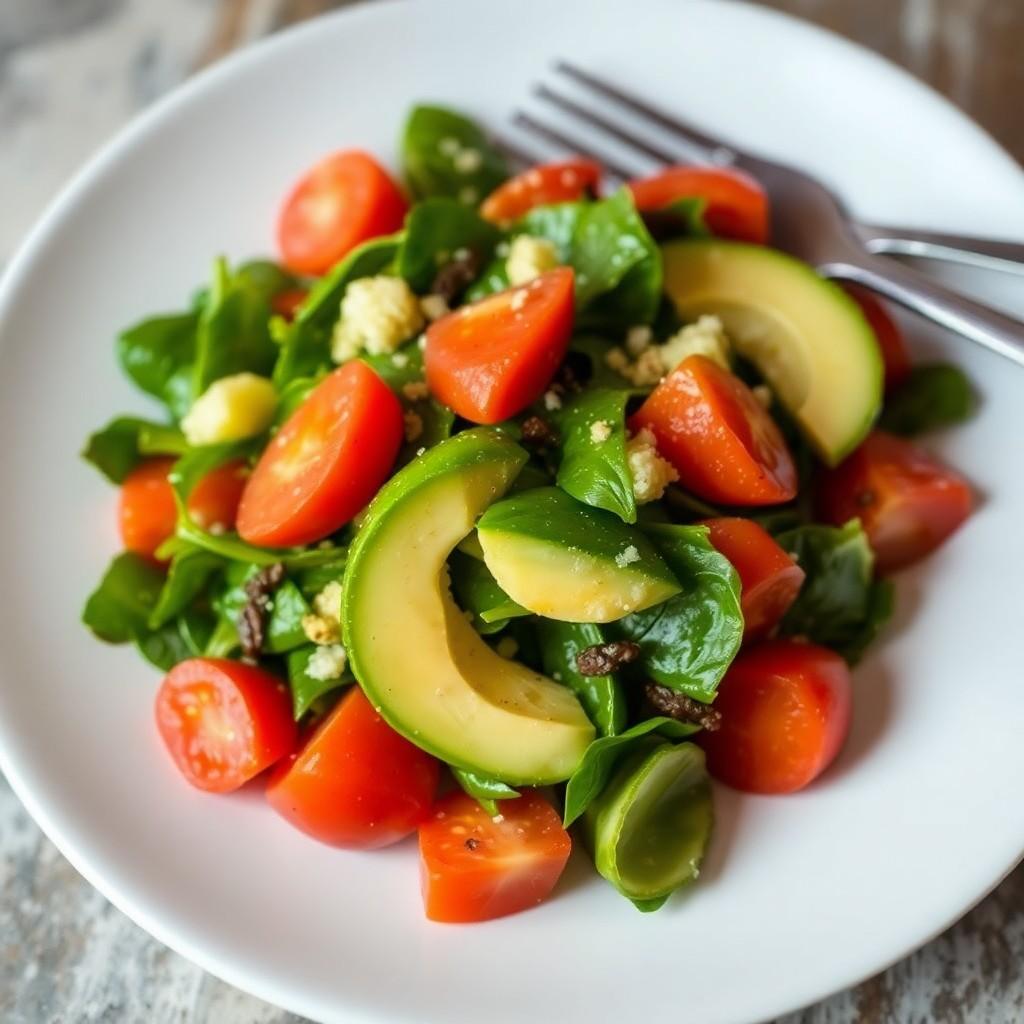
x=118, y=610
x=434, y=231
x=185, y=637
x=223, y=641
x=435, y=144
x=597, y=474
x=605, y=754
x=312, y=581
x=231, y=547
x=189, y=572
x=689, y=641
x=557, y=223
x=198, y=462
x=294, y=393
x=158, y=355
x=840, y=605
x=494, y=278
x=477, y=592
x=484, y=790
x=287, y=607
x=158, y=439
x=305, y=688
x=597, y=373
x=932, y=396
x=682, y=218
x=602, y=697
x=396, y=369
x=118, y=448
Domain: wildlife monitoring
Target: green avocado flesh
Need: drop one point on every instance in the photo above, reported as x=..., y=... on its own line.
x=565, y=560
x=412, y=649
x=805, y=334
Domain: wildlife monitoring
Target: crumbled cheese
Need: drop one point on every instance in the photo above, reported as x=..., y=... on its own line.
x=552, y=401
x=323, y=624
x=627, y=556
x=651, y=473
x=529, y=257
x=421, y=342
x=400, y=359
x=648, y=369
x=600, y=431
x=498, y=819
x=763, y=394
x=706, y=337
x=327, y=662
x=328, y=601
x=319, y=630
x=433, y=307
x=638, y=340
x=507, y=647
x=413, y=425
x=617, y=360
x=231, y=409
x=416, y=390
x=467, y=161
x=377, y=315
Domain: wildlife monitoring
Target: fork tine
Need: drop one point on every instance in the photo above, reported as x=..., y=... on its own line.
x=572, y=143
x=716, y=150
x=600, y=121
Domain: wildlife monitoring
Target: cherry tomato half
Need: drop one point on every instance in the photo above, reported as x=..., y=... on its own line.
x=213, y=503
x=474, y=867
x=560, y=182
x=723, y=443
x=785, y=714
x=491, y=359
x=907, y=501
x=325, y=463
x=147, y=514
x=223, y=722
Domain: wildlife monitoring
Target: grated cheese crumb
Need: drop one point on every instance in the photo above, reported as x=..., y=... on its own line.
x=416, y=390
x=323, y=625
x=600, y=431
x=638, y=339
x=327, y=662
x=651, y=473
x=627, y=556
x=433, y=307
x=400, y=359
x=706, y=337
x=552, y=401
x=377, y=315
x=529, y=257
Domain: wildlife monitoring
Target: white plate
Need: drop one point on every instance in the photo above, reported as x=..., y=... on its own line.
x=801, y=896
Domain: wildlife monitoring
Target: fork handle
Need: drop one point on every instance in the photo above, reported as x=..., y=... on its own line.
x=990, y=253
x=922, y=294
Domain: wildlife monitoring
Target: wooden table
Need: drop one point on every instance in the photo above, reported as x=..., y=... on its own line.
x=70, y=74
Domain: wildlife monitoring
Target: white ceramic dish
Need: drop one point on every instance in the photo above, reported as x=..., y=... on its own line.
x=801, y=896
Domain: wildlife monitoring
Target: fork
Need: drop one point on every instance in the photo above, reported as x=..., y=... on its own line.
x=808, y=219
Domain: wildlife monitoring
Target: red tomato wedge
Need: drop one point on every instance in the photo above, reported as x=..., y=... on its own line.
x=907, y=501
x=146, y=511
x=737, y=206
x=785, y=714
x=344, y=200
x=895, y=358
x=474, y=867
x=769, y=578
x=560, y=182
x=213, y=503
x=325, y=463
x=223, y=722
x=490, y=360
x=722, y=442
x=355, y=783
x=287, y=303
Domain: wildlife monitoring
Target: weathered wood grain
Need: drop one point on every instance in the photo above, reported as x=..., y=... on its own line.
x=70, y=73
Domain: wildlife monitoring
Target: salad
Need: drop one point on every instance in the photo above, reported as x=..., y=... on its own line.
x=507, y=504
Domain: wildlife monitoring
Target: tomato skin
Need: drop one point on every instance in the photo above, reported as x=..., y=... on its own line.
x=786, y=709
x=213, y=503
x=223, y=722
x=723, y=443
x=769, y=578
x=737, y=206
x=490, y=360
x=287, y=303
x=907, y=501
x=895, y=357
x=475, y=868
x=355, y=783
x=325, y=463
x=342, y=201
x=560, y=182
x=146, y=512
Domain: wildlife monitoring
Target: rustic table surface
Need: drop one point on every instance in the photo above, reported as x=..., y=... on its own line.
x=70, y=74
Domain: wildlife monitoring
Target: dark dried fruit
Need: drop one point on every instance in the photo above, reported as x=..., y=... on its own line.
x=603, y=659
x=539, y=433
x=252, y=620
x=456, y=276
x=686, y=709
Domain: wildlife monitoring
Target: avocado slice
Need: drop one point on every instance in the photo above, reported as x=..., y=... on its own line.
x=418, y=659
x=565, y=560
x=804, y=333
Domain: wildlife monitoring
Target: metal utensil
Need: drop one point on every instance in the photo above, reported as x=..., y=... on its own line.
x=808, y=220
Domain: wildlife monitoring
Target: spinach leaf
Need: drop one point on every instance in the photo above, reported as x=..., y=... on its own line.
x=688, y=642
x=230, y=546
x=494, y=278
x=446, y=154
x=118, y=610
x=682, y=218
x=557, y=223
x=932, y=396
x=484, y=790
x=158, y=355
x=294, y=393
x=396, y=369
x=233, y=334
x=312, y=581
x=839, y=605
x=185, y=637
x=437, y=228
x=305, y=688
x=121, y=445
x=435, y=425
x=287, y=608
x=477, y=592
x=602, y=697
x=187, y=576
x=197, y=462
x=605, y=754
x=597, y=474
x=223, y=641
x=305, y=345
x=592, y=350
